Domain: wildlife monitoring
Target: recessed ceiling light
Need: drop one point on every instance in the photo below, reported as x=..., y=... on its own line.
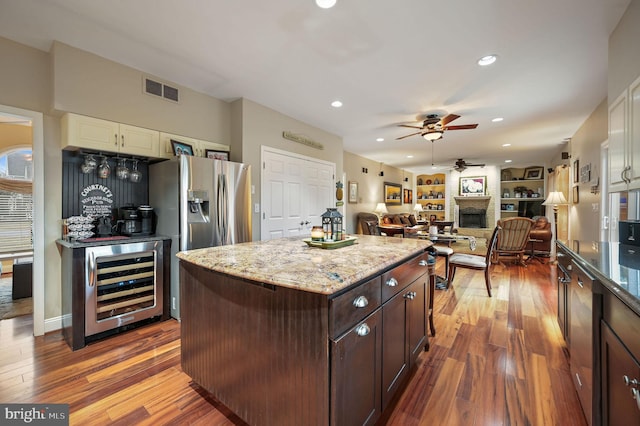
x=326, y=4
x=506, y=144
x=497, y=119
x=507, y=161
x=487, y=60
x=409, y=156
x=336, y=104
x=380, y=140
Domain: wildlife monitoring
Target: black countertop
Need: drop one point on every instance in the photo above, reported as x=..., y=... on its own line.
x=615, y=265
x=94, y=242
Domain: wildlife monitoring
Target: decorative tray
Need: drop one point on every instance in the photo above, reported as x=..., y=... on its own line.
x=330, y=245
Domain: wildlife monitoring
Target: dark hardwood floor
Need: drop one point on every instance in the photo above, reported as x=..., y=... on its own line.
x=494, y=361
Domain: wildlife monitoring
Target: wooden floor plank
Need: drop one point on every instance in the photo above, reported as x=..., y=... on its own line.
x=497, y=360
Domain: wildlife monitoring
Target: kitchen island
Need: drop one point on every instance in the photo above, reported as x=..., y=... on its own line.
x=286, y=334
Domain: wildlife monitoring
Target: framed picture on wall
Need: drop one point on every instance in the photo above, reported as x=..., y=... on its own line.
x=353, y=192
x=475, y=186
x=392, y=194
x=576, y=194
x=181, y=148
x=576, y=171
x=533, y=172
x=217, y=155
x=407, y=196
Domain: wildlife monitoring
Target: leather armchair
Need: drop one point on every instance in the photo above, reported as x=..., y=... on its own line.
x=367, y=224
x=541, y=231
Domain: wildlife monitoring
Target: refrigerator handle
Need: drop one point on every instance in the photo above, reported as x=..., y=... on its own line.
x=222, y=201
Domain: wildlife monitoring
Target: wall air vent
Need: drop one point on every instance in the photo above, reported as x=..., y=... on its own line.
x=155, y=88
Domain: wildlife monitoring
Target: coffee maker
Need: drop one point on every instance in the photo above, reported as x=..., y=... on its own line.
x=129, y=222
x=147, y=220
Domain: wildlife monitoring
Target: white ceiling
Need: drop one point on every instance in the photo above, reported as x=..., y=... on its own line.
x=389, y=62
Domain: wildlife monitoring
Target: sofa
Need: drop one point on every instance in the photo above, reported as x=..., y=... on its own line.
x=541, y=232
x=397, y=223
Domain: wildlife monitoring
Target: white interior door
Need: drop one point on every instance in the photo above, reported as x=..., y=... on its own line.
x=295, y=191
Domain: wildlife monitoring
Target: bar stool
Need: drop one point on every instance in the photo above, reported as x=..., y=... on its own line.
x=443, y=251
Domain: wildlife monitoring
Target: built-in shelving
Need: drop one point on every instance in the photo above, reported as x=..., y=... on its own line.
x=431, y=195
x=522, y=191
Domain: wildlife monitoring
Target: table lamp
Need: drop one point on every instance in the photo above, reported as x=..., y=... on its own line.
x=555, y=199
x=380, y=210
x=418, y=209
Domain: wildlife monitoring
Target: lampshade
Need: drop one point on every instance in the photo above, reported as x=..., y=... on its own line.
x=381, y=209
x=555, y=198
x=417, y=208
x=432, y=135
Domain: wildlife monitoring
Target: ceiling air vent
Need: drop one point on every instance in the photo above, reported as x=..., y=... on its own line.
x=156, y=88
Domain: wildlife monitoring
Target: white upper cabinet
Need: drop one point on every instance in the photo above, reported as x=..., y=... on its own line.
x=624, y=140
x=102, y=135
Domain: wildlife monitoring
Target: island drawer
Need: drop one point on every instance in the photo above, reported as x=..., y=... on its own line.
x=348, y=308
x=401, y=276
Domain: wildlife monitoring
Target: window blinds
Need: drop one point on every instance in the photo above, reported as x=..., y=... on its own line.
x=16, y=222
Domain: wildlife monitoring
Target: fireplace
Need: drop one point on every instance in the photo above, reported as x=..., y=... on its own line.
x=471, y=217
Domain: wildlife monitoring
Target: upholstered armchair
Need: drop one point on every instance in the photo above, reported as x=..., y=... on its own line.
x=513, y=238
x=367, y=224
x=541, y=236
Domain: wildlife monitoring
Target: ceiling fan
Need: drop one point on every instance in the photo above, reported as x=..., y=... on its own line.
x=462, y=165
x=433, y=127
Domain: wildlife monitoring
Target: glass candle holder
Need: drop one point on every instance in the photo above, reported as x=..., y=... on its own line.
x=317, y=234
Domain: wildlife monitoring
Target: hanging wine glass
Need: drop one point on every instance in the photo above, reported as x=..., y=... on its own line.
x=89, y=164
x=104, y=170
x=122, y=171
x=135, y=174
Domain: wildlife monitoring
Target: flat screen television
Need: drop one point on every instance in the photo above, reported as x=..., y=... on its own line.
x=531, y=208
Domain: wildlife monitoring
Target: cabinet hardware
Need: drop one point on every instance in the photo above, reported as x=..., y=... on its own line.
x=636, y=395
x=115, y=139
x=580, y=283
x=122, y=140
x=578, y=379
x=363, y=330
x=411, y=295
x=630, y=382
x=392, y=282
x=360, y=302
x=423, y=263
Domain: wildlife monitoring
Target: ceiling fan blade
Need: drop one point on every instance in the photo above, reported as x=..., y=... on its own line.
x=461, y=127
x=448, y=119
x=411, y=127
x=406, y=136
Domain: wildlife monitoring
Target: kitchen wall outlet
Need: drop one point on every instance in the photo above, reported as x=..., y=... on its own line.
x=173, y=303
x=253, y=189
x=256, y=208
x=595, y=206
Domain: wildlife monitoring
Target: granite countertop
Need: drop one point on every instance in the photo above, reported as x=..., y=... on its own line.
x=108, y=241
x=615, y=265
x=289, y=262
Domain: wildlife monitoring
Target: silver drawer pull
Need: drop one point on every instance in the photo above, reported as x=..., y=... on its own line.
x=411, y=295
x=635, y=394
x=363, y=330
x=392, y=282
x=632, y=382
x=360, y=302
x=580, y=283
x=578, y=379
x=423, y=263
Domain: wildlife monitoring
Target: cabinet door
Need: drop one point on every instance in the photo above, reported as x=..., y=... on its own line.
x=203, y=146
x=617, y=141
x=139, y=141
x=621, y=405
x=633, y=156
x=355, y=374
x=90, y=133
x=417, y=318
x=395, y=351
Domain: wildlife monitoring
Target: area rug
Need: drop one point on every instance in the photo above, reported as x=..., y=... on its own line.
x=12, y=308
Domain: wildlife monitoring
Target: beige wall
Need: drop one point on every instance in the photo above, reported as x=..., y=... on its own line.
x=371, y=186
x=261, y=126
x=624, y=55
x=584, y=216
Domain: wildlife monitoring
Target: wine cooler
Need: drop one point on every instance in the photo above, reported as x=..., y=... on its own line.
x=123, y=285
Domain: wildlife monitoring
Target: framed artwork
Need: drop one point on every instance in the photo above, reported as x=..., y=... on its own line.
x=533, y=172
x=576, y=194
x=585, y=173
x=353, y=192
x=392, y=194
x=407, y=196
x=474, y=186
x=217, y=155
x=181, y=148
x=576, y=171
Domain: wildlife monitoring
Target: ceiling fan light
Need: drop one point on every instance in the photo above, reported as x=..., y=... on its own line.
x=432, y=135
x=487, y=60
x=326, y=4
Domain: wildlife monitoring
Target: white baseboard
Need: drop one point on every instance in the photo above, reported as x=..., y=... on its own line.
x=53, y=324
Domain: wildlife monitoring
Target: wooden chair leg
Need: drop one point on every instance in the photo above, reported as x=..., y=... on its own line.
x=487, y=279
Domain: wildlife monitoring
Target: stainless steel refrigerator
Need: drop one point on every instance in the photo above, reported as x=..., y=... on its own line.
x=199, y=202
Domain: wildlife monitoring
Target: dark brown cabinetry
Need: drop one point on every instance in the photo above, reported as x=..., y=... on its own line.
x=620, y=350
x=564, y=279
x=325, y=354
x=583, y=329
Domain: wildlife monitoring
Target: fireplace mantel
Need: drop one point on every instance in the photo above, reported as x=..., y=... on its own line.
x=473, y=198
